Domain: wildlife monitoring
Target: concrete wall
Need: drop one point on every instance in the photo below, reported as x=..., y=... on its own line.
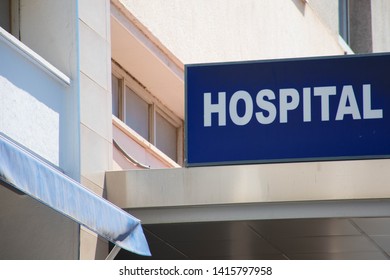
x=95, y=108
x=31, y=104
x=69, y=125
x=256, y=183
x=33, y=231
x=39, y=96
x=74, y=36
x=220, y=30
x=50, y=29
x=45, y=112
x=380, y=10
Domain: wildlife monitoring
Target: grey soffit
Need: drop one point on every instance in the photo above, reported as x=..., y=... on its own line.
x=295, y=239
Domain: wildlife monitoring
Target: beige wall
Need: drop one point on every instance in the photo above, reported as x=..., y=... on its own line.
x=230, y=30
x=328, y=13
x=380, y=25
x=95, y=109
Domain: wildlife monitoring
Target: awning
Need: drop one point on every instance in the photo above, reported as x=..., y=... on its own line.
x=41, y=181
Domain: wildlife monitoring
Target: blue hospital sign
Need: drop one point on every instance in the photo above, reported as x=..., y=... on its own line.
x=288, y=110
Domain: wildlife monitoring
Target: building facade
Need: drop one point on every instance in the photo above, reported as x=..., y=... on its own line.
x=96, y=89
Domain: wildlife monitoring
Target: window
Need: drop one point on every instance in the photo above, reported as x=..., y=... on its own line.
x=9, y=16
x=355, y=25
x=5, y=21
x=166, y=136
x=344, y=20
x=136, y=113
x=145, y=114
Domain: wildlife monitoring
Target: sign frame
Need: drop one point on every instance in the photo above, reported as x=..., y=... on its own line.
x=290, y=63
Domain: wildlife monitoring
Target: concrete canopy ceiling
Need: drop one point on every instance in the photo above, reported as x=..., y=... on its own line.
x=295, y=239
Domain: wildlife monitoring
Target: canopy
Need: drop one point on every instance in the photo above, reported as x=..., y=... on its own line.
x=43, y=182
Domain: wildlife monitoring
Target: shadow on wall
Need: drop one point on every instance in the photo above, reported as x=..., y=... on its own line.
x=30, y=230
x=301, y=5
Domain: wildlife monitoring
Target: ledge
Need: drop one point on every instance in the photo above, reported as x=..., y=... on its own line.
x=262, y=183
x=32, y=56
x=153, y=150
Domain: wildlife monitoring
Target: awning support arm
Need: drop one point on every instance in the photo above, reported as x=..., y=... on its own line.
x=111, y=256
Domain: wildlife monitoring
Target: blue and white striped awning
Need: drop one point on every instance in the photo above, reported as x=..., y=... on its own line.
x=41, y=181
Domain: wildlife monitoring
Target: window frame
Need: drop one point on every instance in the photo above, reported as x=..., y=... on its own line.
x=125, y=79
x=344, y=21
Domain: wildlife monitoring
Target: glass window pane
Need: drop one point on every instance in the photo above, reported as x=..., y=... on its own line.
x=4, y=15
x=166, y=137
x=115, y=96
x=344, y=20
x=137, y=113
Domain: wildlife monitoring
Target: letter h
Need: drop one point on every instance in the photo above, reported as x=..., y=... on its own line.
x=218, y=108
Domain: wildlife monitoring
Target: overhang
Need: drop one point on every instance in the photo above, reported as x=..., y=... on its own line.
x=263, y=191
x=33, y=176
x=148, y=61
x=318, y=210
